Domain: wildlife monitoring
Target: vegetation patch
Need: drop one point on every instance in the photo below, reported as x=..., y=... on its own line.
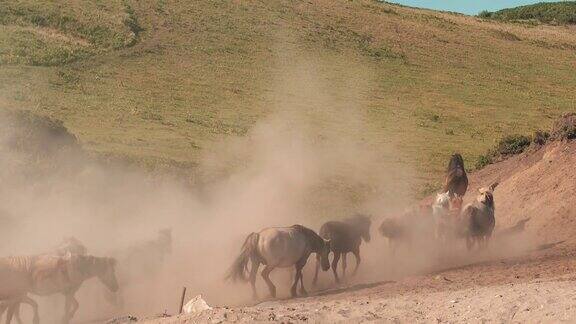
x=50, y=33
x=565, y=127
x=558, y=13
x=507, y=146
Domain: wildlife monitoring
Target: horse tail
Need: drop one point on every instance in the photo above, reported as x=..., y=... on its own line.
x=240, y=266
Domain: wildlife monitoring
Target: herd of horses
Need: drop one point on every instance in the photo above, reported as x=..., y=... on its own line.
x=64, y=269
x=442, y=218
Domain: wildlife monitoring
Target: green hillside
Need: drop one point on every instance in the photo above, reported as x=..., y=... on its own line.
x=159, y=82
x=563, y=12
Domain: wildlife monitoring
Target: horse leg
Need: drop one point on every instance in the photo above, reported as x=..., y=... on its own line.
x=469, y=243
x=19, y=319
x=303, y=291
x=299, y=266
x=33, y=304
x=296, y=280
x=344, y=264
x=253, y=273
x=358, y=259
x=71, y=306
x=315, y=280
x=335, y=265
x=12, y=307
x=3, y=307
x=266, y=276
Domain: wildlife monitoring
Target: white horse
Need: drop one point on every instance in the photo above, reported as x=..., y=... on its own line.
x=440, y=212
x=279, y=247
x=478, y=220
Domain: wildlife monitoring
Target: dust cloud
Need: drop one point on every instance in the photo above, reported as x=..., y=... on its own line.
x=316, y=156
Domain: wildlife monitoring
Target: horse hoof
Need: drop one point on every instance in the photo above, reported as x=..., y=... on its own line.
x=303, y=293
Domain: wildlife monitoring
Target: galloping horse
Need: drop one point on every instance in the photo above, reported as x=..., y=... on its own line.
x=50, y=274
x=345, y=237
x=279, y=247
x=478, y=219
x=456, y=180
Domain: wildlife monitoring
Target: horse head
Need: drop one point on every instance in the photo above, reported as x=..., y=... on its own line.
x=442, y=200
x=456, y=162
x=362, y=224
x=486, y=195
x=105, y=271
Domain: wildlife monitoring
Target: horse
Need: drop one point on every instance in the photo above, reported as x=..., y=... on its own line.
x=68, y=244
x=148, y=256
x=50, y=274
x=446, y=212
x=456, y=181
x=477, y=218
x=395, y=231
x=415, y=224
x=140, y=262
x=345, y=237
x=279, y=247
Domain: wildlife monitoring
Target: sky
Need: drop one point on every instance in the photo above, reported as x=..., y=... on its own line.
x=470, y=7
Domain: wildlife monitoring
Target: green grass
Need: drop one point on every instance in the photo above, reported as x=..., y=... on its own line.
x=159, y=82
x=563, y=12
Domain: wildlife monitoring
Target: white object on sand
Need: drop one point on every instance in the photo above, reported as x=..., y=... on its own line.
x=196, y=305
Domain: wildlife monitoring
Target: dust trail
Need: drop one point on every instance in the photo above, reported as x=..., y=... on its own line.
x=313, y=158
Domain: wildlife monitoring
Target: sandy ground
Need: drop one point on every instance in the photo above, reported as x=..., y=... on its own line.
x=537, y=287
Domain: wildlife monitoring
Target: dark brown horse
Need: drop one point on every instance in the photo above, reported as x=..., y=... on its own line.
x=456, y=182
x=279, y=247
x=345, y=237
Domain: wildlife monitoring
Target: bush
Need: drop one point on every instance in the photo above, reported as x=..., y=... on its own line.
x=540, y=137
x=513, y=144
x=483, y=160
x=509, y=145
x=565, y=127
x=485, y=14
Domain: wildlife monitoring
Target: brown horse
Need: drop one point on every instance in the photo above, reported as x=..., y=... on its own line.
x=345, y=237
x=47, y=275
x=68, y=245
x=456, y=180
x=279, y=247
x=477, y=219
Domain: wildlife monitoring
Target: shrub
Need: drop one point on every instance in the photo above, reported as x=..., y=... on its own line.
x=565, y=127
x=485, y=14
x=513, y=144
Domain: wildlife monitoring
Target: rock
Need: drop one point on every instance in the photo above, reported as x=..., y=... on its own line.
x=196, y=305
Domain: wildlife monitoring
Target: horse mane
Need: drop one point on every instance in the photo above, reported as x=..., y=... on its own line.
x=313, y=238
x=456, y=162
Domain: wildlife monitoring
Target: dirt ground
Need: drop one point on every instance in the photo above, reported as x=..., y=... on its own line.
x=528, y=278
x=538, y=287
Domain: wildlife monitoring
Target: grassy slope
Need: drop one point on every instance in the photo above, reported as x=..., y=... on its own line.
x=202, y=70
